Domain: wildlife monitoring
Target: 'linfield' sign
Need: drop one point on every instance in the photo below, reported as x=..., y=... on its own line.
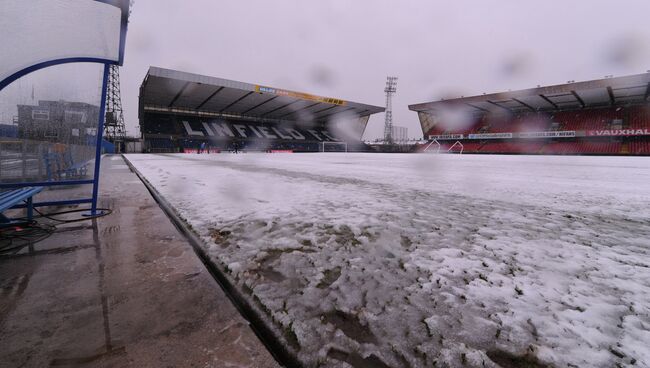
x=618, y=132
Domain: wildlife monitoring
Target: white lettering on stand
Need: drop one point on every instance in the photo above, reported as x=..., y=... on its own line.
x=190, y=131
x=277, y=131
x=257, y=133
x=207, y=129
x=241, y=129
x=315, y=134
x=222, y=129
x=266, y=133
x=323, y=132
x=295, y=134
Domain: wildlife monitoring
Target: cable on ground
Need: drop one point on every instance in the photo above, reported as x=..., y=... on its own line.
x=24, y=233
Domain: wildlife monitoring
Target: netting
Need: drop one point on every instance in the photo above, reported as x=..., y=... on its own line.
x=333, y=146
x=48, y=124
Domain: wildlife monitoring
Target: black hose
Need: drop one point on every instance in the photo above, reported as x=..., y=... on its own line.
x=13, y=238
x=24, y=231
x=101, y=213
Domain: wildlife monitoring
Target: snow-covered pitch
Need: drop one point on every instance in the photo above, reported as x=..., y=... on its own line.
x=376, y=260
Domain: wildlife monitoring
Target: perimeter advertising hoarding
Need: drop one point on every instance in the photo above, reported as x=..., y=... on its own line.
x=618, y=132
x=447, y=136
x=301, y=95
x=490, y=135
x=559, y=134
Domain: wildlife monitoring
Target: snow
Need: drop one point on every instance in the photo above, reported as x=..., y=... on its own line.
x=370, y=260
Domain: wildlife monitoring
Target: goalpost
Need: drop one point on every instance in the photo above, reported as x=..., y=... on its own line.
x=462, y=148
x=438, y=147
x=333, y=146
x=426, y=149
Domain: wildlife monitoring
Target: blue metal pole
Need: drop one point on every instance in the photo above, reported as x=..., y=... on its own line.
x=45, y=183
x=100, y=133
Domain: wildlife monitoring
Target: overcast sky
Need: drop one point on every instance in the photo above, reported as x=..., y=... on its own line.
x=346, y=48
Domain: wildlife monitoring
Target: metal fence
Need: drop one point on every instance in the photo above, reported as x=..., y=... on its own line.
x=30, y=160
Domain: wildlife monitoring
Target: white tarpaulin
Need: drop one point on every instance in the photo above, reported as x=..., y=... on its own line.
x=50, y=31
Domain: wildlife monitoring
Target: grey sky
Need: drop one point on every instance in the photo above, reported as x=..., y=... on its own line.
x=347, y=48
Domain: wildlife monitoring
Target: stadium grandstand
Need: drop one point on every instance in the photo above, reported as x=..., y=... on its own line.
x=608, y=116
x=185, y=112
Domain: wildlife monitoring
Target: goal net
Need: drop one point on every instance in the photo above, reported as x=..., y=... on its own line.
x=333, y=146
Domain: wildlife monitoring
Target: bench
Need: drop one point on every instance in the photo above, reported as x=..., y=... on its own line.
x=58, y=166
x=11, y=198
x=74, y=169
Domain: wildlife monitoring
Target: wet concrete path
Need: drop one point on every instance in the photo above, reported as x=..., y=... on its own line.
x=123, y=290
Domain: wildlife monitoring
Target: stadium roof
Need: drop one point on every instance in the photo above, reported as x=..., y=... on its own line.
x=176, y=91
x=633, y=89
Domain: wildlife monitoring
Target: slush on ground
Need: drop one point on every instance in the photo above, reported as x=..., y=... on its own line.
x=367, y=260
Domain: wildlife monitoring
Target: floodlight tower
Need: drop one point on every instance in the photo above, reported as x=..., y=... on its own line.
x=391, y=88
x=114, y=129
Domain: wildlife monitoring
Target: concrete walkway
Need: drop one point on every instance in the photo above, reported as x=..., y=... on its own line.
x=124, y=290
